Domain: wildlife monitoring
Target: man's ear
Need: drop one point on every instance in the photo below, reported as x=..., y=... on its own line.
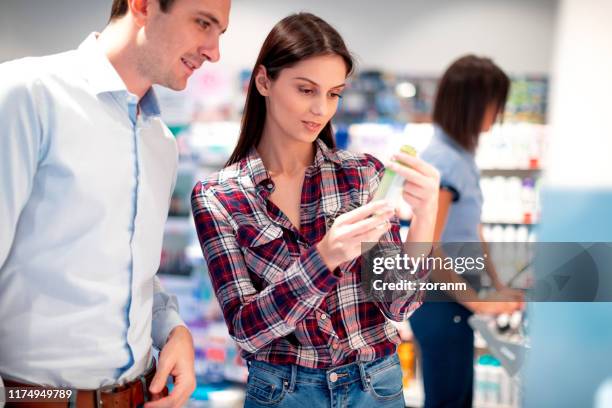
x=140, y=10
x=262, y=82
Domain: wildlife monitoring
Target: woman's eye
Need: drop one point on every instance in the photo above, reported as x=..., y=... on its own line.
x=306, y=91
x=336, y=95
x=203, y=23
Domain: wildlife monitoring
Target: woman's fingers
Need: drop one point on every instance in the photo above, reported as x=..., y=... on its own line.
x=412, y=200
x=368, y=224
x=363, y=212
x=409, y=173
x=416, y=163
x=416, y=190
x=373, y=235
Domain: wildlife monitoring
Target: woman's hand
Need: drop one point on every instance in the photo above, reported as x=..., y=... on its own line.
x=493, y=308
x=497, y=303
x=342, y=242
x=512, y=294
x=421, y=184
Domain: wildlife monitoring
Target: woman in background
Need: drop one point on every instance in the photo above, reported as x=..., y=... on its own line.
x=471, y=95
x=281, y=230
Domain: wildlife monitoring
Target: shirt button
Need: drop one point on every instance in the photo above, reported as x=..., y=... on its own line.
x=457, y=319
x=333, y=377
x=270, y=186
x=335, y=346
x=323, y=316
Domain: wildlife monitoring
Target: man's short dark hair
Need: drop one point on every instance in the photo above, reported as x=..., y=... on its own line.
x=467, y=87
x=120, y=7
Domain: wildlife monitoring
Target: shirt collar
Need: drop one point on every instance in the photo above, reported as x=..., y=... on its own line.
x=255, y=167
x=149, y=106
x=103, y=77
x=99, y=72
x=325, y=153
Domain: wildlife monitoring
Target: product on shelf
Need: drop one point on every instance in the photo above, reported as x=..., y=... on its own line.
x=511, y=200
x=405, y=352
x=513, y=146
x=493, y=387
x=496, y=382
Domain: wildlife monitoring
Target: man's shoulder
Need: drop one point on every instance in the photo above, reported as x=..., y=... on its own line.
x=28, y=71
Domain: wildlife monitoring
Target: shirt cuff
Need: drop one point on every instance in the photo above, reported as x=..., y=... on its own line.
x=318, y=279
x=164, y=321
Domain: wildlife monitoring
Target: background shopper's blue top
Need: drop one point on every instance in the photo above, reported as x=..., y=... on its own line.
x=460, y=175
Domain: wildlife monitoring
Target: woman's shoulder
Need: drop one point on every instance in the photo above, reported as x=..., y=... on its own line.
x=227, y=184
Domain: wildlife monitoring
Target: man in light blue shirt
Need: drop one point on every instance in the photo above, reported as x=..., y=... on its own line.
x=87, y=169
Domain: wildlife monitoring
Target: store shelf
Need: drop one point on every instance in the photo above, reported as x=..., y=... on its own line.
x=511, y=172
x=493, y=222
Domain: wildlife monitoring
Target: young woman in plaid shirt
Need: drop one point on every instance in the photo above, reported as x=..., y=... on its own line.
x=281, y=229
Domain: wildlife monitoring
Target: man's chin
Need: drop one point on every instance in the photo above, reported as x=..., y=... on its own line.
x=175, y=84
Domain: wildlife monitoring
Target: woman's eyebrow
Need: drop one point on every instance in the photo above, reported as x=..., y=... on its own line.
x=314, y=83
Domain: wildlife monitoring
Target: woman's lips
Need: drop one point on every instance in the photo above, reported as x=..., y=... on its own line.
x=311, y=126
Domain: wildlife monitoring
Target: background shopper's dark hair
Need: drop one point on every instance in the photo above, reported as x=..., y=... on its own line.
x=120, y=7
x=467, y=87
x=293, y=39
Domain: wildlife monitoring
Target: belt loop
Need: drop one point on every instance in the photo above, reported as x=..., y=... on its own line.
x=72, y=403
x=98, y=402
x=145, y=391
x=293, y=380
x=365, y=380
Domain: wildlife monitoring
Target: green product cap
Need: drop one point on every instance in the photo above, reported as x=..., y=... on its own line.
x=408, y=150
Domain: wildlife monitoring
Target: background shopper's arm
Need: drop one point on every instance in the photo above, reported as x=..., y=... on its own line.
x=495, y=303
x=445, y=200
x=256, y=318
x=21, y=137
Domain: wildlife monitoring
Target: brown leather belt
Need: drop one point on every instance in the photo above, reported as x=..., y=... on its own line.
x=132, y=394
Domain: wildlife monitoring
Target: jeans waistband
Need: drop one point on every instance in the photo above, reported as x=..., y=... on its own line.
x=332, y=377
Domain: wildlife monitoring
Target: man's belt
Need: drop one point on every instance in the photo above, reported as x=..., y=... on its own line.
x=132, y=394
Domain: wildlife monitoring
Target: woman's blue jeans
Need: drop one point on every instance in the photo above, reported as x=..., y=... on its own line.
x=359, y=385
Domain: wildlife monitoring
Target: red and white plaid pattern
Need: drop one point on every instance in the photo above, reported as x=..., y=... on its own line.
x=280, y=302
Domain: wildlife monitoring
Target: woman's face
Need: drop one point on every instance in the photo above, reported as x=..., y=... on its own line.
x=304, y=97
